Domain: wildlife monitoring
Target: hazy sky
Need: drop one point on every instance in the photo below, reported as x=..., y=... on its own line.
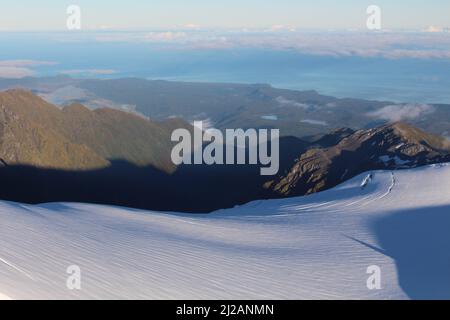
x=142, y=14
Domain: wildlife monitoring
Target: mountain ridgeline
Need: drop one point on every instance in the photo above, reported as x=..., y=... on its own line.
x=34, y=132
x=343, y=154
x=108, y=156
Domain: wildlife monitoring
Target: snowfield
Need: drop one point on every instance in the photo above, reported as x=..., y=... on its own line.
x=314, y=247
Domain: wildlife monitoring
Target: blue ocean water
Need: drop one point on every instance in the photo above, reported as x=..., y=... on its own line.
x=399, y=80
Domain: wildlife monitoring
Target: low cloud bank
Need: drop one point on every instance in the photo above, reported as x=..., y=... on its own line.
x=401, y=112
x=428, y=44
x=15, y=69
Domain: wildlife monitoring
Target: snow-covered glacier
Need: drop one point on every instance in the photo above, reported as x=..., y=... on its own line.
x=314, y=247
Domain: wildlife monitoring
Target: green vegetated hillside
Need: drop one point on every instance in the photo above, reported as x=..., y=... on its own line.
x=35, y=132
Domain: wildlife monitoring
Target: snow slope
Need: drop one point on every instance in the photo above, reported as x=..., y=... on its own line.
x=318, y=246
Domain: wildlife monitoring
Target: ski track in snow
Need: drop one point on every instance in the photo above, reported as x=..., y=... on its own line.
x=16, y=268
x=313, y=247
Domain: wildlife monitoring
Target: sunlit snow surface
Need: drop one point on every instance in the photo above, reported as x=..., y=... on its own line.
x=318, y=246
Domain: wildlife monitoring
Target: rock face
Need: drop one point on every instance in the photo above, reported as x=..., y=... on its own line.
x=34, y=132
x=393, y=146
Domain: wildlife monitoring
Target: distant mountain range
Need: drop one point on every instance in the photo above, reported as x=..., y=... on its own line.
x=71, y=153
x=303, y=114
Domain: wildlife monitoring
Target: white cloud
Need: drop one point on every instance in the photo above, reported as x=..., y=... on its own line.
x=89, y=71
x=15, y=73
x=283, y=101
x=156, y=36
x=15, y=69
x=386, y=44
x=433, y=29
x=281, y=28
x=401, y=112
x=62, y=95
x=270, y=117
x=315, y=122
x=192, y=26
x=165, y=36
